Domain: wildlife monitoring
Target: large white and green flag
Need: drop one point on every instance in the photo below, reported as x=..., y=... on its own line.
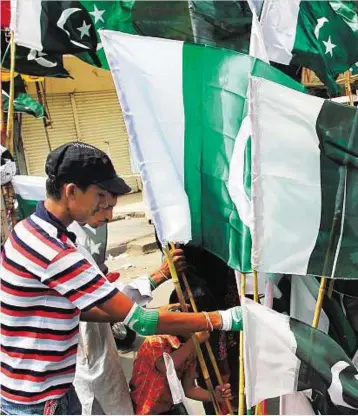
x=283, y=355
x=183, y=105
x=304, y=176
x=320, y=35
x=29, y=190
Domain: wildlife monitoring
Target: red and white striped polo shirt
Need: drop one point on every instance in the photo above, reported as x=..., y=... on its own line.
x=46, y=282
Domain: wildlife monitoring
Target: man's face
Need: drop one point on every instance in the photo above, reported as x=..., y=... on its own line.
x=105, y=215
x=85, y=204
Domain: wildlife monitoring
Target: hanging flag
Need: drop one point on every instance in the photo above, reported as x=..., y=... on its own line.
x=29, y=190
x=283, y=355
x=24, y=104
x=224, y=23
x=304, y=171
x=31, y=62
x=183, y=105
x=313, y=34
x=53, y=27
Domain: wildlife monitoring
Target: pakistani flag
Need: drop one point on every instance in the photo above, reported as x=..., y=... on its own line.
x=313, y=34
x=304, y=176
x=183, y=105
x=29, y=190
x=53, y=27
x=224, y=23
x=31, y=62
x=284, y=355
x=24, y=104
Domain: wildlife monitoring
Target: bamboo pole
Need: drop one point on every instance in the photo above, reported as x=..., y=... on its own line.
x=199, y=353
x=10, y=126
x=256, y=286
x=207, y=344
x=319, y=303
x=241, y=354
x=10, y=114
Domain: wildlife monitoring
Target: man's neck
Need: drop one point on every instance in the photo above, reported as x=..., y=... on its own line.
x=59, y=211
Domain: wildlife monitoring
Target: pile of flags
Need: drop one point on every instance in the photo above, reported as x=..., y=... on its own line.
x=235, y=155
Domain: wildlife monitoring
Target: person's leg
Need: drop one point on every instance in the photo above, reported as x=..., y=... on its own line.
x=69, y=404
x=10, y=408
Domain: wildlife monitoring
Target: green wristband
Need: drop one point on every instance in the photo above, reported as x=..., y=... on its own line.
x=141, y=320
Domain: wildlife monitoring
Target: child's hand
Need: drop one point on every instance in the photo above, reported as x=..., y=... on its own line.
x=202, y=336
x=223, y=392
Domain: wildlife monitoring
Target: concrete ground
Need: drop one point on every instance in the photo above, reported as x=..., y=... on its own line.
x=132, y=251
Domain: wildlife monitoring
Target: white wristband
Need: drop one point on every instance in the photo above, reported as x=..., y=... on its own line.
x=226, y=320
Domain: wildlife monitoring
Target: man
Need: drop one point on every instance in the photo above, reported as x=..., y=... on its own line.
x=99, y=381
x=49, y=283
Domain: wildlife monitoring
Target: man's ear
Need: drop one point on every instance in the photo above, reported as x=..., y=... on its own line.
x=69, y=190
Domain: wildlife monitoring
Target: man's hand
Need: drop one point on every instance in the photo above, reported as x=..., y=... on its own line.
x=223, y=392
x=202, y=336
x=178, y=260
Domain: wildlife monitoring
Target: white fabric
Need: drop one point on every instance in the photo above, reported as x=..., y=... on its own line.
x=278, y=23
x=286, y=180
x=249, y=289
x=31, y=188
x=99, y=380
x=175, y=386
x=236, y=174
x=257, y=43
x=271, y=366
x=304, y=292
x=25, y=23
x=148, y=76
x=295, y=404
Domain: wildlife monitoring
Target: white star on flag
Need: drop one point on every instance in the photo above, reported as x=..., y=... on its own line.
x=97, y=14
x=329, y=46
x=95, y=247
x=84, y=29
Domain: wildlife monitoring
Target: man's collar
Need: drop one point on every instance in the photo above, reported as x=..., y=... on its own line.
x=45, y=215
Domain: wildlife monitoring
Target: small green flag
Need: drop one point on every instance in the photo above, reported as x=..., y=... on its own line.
x=24, y=104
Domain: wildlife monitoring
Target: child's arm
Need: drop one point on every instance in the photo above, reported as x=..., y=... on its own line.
x=194, y=392
x=182, y=354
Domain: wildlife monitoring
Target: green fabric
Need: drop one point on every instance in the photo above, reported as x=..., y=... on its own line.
x=325, y=60
x=215, y=83
x=24, y=104
x=337, y=130
x=224, y=23
x=111, y=15
x=318, y=353
x=26, y=207
x=143, y=321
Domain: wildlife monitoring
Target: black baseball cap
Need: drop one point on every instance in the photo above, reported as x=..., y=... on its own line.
x=83, y=164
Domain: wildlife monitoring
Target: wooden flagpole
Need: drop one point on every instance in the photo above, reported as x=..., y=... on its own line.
x=10, y=126
x=241, y=354
x=207, y=344
x=10, y=114
x=199, y=353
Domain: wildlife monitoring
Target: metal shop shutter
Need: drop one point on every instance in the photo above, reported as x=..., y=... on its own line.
x=101, y=124
x=62, y=130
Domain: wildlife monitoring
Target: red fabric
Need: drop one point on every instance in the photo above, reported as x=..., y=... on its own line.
x=112, y=277
x=5, y=13
x=150, y=391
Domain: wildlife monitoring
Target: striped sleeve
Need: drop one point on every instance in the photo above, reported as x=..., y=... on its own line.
x=72, y=276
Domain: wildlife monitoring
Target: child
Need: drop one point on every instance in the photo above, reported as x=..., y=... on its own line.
x=149, y=386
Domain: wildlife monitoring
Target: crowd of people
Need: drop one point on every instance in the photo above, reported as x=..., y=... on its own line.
x=58, y=300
